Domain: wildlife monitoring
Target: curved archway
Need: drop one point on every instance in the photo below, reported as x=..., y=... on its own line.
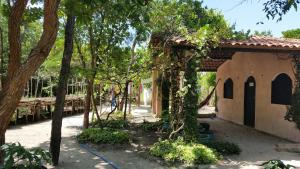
x=228, y=89
x=281, y=92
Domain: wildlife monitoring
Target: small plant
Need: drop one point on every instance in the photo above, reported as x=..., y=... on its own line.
x=224, y=148
x=151, y=126
x=276, y=164
x=120, y=115
x=16, y=156
x=189, y=153
x=103, y=136
x=115, y=124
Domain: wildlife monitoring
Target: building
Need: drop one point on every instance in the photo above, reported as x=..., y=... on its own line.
x=255, y=82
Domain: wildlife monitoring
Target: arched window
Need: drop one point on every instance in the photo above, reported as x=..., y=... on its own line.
x=282, y=90
x=228, y=89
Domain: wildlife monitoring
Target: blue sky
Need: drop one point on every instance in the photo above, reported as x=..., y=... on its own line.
x=246, y=16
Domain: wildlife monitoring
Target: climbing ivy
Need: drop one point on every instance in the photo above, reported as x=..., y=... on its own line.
x=190, y=109
x=293, y=113
x=176, y=122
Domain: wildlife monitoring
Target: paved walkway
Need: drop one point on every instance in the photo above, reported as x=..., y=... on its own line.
x=256, y=147
x=72, y=155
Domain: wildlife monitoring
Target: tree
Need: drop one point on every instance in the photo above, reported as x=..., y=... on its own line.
x=61, y=90
x=202, y=27
x=104, y=38
x=190, y=108
x=18, y=73
x=263, y=33
x=293, y=113
x=206, y=80
x=278, y=8
x=293, y=33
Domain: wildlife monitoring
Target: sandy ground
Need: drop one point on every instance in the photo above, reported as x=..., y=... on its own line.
x=256, y=147
x=72, y=155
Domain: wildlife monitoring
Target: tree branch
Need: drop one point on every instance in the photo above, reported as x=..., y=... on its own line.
x=14, y=31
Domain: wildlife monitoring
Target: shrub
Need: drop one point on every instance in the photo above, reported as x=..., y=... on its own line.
x=103, y=136
x=120, y=115
x=276, y=164
x=224, y=148
x=16, y=156
x=189, y=153
x=115, y=124
x=151, y=126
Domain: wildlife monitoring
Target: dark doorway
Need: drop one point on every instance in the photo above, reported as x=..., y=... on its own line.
x=249, y=102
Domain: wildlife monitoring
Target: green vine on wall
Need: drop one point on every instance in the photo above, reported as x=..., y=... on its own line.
x=176, y=122
x=293, y=113
x=190, y=109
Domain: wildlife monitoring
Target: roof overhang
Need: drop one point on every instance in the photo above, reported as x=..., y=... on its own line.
x=211, y=65
x=227, y=48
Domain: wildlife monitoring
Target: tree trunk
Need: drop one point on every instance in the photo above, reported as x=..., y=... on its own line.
x=139, y=95
x=2, y=141
x=87, y=106
x=14, y=87
x=190, y=108
x=126, y=98
x=1, y=57
x=130, y=97
x=175, y=87
x=100, y=100
x=90, y=82
x=14, y=36
x=95, y=109
x=61, y=90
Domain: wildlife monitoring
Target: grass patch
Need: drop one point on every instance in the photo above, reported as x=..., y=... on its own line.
x=188, y=153
x=223, y=147
x=103, y=136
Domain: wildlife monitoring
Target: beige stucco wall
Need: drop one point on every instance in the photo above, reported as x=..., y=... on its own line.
x=264, y=67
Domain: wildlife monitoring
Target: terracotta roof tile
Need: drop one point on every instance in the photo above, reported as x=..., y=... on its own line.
x=263, y=42
x=211, y=64
x=259, y=42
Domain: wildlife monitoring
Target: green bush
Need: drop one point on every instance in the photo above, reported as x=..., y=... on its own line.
x=224, y=148
x=151, y=126
x=16, y=156
x=189, y=153
x=115, y=124
x=103, y=136
x=276, y=164
x=120, y=115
